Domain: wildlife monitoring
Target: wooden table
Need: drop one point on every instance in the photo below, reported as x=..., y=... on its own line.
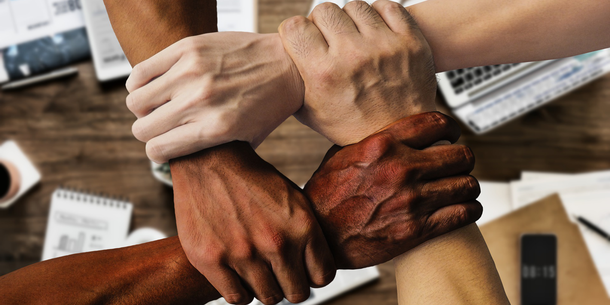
x=78, y=133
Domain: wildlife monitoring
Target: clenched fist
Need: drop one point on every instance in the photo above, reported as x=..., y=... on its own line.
x=363, y=67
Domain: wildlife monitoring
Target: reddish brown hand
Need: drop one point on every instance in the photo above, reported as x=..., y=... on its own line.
x=391, y=192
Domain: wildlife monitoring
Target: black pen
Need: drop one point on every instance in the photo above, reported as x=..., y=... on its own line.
x=593, y=227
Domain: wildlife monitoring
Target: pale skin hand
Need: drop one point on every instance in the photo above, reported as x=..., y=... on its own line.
x=218, y=88
x=461, y=34
x=362, y=67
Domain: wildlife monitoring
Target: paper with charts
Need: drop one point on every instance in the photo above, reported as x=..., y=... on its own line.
x=80, y=222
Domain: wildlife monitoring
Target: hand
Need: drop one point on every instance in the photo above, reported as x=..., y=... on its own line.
x=363, y=68
x=238, y=217
x=391, y=192
x=212, y=89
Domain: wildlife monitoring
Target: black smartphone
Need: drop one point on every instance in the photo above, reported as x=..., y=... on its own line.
x=538, y=269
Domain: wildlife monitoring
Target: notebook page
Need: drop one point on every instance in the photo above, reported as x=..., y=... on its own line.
x=79, y=222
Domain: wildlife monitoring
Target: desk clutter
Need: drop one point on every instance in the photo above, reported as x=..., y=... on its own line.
x=584, y=202
x=21, y=176
x=82, y=222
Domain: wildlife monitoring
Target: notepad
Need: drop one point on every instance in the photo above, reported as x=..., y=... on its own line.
x=81, y=222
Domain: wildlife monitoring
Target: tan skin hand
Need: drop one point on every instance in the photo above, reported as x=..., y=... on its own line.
x=146, y=27
x=363, y=67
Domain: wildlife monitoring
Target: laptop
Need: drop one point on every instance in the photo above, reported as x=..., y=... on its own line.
x=487, y=97
x=344, y=281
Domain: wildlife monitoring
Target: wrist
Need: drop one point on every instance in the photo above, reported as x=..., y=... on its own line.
x=382, y=119
x=296, y=86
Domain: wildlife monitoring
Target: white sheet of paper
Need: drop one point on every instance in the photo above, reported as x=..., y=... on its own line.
x=25, y=20
x=495, y=198
x=237, y=16
x=595, y=207
x=80, y=222
x=526, y=192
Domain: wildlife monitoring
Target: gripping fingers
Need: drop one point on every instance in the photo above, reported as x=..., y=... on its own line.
x=168, y=116
x=302, y=40
x=453, y=217
x=443, y=192
x=261, y=280
x=334, y=23
x=228, y=284
x=446, y=160
x=144, y=100
x=292, y=278
x=157, y=65
x=395, y=16
x=319, y=260
x=366, y=19
x=184, y=140
x=422, y=130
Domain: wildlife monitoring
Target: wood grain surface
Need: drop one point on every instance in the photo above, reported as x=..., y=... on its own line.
x=78, y=134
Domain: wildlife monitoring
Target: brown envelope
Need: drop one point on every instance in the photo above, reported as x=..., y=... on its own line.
x=577, y=279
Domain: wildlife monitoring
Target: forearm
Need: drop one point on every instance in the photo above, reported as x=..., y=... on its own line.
x=144, y=28
x=459, y=262
x=151, y=273
x=471, y=33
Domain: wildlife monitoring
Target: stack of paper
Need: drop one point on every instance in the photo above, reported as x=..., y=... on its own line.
x=585, y=195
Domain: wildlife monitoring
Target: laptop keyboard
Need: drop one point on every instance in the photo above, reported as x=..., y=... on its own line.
x=533, y=94
x=465, y=79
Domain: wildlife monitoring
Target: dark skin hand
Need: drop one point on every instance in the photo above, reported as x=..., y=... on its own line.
x=392, y=191
x=160, y=273
x=263, y=263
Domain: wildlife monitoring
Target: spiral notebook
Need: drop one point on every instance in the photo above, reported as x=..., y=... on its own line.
x=81, y=222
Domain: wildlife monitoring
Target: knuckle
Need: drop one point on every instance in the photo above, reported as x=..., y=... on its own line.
x=137, y=129
x=391, y=7
x=237, y=298
x=298, y=297
x=323, y=278
x=411, y=197
x=131, y=102
x=378, y=145
x=468, y=155
x=243, y=251
x=293, y=24
x=438, y=119
x=271, y=299
x=359, y=6
x=212, y=256
x=277, y=243
x=473, y=185
x=207, y=89
x=155, y=152
x=136, y=75
x=324, y=8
